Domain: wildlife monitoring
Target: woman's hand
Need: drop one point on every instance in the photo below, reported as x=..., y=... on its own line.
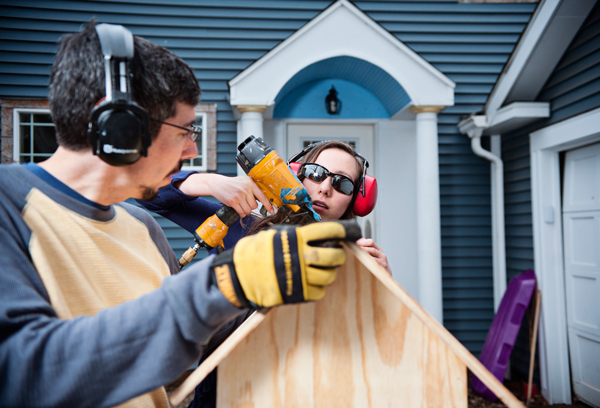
x=239, y=193
x=373, y=249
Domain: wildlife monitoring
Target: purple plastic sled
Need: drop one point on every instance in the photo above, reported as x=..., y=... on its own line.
x=505, y=327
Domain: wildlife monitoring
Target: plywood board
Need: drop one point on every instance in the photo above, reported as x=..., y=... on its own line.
x=367, y=343
x=358, y=347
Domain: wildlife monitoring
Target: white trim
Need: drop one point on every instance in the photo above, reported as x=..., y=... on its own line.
x=17, y=129
x=520, y=56
x=516, y=115
x=551, y=29
x=545, y=146
x=349, y=32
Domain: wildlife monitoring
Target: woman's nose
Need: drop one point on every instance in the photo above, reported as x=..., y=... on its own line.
x=325, y=186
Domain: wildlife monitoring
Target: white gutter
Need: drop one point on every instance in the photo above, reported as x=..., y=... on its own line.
x=498, y=239
x=506, y=119
x=474, y=126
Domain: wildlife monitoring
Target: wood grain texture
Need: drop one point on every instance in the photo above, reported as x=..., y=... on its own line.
x=358, y=347
x=217, y=356
x=440, y=331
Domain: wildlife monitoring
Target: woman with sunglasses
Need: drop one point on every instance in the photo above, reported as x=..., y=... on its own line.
x=330, y=171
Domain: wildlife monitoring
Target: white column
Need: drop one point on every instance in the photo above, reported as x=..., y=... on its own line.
x=428, y=211
x=251, y=124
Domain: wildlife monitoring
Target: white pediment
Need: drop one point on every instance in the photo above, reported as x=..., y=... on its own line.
x=341, y=30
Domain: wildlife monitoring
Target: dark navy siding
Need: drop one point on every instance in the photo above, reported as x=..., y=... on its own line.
x=470, y=43
x=518, y=228
x=573, y=88
x=218, y=39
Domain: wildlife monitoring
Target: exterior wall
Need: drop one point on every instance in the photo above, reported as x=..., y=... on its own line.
x=573, y=88
x=469, y=43
x=518, y=229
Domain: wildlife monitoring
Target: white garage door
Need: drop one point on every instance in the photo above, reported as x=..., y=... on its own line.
x=581, y=221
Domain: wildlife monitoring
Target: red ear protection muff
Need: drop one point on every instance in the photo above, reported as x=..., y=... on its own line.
x=364, y=204
x=366, y=197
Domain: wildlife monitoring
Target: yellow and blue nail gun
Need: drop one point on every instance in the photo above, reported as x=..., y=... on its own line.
x=275, y=179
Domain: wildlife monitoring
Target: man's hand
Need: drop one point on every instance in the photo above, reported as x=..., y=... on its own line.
x=283, y=264
x=373, y=249
x=239, y=193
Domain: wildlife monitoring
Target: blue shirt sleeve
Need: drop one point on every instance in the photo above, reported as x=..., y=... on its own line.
x=190, y=212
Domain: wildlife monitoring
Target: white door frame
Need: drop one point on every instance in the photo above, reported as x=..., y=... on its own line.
x=545, y=146
x=397, y=203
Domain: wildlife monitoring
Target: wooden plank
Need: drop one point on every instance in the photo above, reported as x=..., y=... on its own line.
x=359, y=346
x=461, y=352
x=367, y=343
x=538, y=300
x=217, y=356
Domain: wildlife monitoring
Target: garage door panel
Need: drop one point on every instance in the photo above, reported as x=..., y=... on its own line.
x=583, y=230
x=585, y=316
x=585, y=372
x=581, y=244
x=582, y=179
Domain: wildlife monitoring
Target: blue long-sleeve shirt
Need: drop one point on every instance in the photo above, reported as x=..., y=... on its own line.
x=190, y=212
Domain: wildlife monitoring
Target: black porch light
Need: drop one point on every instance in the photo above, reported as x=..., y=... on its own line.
x=332, y=103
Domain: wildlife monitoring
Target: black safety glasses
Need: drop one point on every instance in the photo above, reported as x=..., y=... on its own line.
x=193, y=132
x=318, y=174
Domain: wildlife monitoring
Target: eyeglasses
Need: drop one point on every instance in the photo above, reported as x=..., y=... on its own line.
x=318, y=174
x=193, y=132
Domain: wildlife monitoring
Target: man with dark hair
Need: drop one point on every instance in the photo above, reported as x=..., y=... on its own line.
x=89, y=315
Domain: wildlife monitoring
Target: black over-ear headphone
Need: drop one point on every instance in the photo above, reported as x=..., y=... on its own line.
x=118, y=129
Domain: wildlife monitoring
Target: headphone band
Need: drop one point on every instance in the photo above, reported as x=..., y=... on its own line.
x=116, y=43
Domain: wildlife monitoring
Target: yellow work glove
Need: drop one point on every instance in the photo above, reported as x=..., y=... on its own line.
x=282, y=265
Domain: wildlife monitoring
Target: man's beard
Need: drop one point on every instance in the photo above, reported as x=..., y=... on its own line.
x=149, y=193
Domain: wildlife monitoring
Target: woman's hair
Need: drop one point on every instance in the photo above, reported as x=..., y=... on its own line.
x=310, y=157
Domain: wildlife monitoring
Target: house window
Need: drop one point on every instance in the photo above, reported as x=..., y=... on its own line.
x=30, y=135
x=199, y=163
x=206, y=118
x=35, y=135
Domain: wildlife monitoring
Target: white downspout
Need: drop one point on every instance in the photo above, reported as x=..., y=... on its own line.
x=473, y=126
x=498, y=238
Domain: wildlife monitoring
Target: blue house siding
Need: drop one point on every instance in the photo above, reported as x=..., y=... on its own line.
x=573, y=88
x=518, y=228
x=218, y=39
x=469, y=43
